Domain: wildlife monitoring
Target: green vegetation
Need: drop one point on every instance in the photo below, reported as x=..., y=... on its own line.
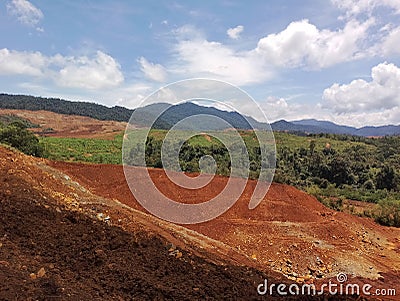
x=83, y=149
x=16, y=134
x=388, y=212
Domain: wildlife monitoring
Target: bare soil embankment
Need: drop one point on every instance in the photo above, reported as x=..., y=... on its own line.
x=290, y=232
x=69, y=126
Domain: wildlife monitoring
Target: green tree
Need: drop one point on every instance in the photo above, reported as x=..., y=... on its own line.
x=16, y=135
x=386, y=178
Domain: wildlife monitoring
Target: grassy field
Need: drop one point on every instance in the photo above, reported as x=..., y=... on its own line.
x=83, y=149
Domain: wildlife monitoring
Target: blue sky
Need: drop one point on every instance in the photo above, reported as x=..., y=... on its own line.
x=337, y=60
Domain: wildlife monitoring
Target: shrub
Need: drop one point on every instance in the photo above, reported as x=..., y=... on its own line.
x=388, y=212
x=16, y=135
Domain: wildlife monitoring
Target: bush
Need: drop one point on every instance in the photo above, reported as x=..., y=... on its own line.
x=16, y=135
x=388, y=213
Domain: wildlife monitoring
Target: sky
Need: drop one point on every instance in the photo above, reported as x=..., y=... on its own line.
x=333, y=60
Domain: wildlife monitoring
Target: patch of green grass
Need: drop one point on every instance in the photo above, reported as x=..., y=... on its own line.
x=83, y=149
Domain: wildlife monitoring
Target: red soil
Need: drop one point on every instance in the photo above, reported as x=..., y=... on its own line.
x=289, y=232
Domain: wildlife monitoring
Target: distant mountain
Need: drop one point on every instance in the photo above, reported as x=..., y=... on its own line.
x=387, y=130
x=318, y=126
x=169, y=115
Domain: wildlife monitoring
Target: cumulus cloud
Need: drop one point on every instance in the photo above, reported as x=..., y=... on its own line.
x=25, y=12
x=381, y=93
x=201, y=57
x=234, y=33
x=23, y=63
x=197, y=56
x=99, y=71
x=152, y=71
x=302, y=44
x=277, y=108
x=378, y=118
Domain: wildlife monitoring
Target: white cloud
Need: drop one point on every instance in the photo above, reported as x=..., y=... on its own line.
x=390, y=43
x=23, y=63
x=129, y=95
x=100, y=71
x=198, y=57
x=234, y=33
x=356, y=7
x=203, y=58
x=302, y=44
x=25, y=12
x=360, y=119
x=277, y=108
x=152, y=71
x=381, y=93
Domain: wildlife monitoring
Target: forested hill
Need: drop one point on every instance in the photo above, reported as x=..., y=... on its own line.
x=168, y=114
x=56, y=105
x=175, y=113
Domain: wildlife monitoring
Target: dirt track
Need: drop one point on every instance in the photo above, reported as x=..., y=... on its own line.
x=290, y=232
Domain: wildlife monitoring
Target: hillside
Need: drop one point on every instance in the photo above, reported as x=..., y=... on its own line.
x=175, y=113
x=50, y=124
x=59, y=241
x=56, y=105
x=290, y=232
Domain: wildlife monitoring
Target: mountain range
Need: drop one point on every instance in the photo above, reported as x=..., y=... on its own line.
x=169, y=115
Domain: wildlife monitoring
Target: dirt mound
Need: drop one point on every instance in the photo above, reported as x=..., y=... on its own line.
x=289, y=232
x=60, y=125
